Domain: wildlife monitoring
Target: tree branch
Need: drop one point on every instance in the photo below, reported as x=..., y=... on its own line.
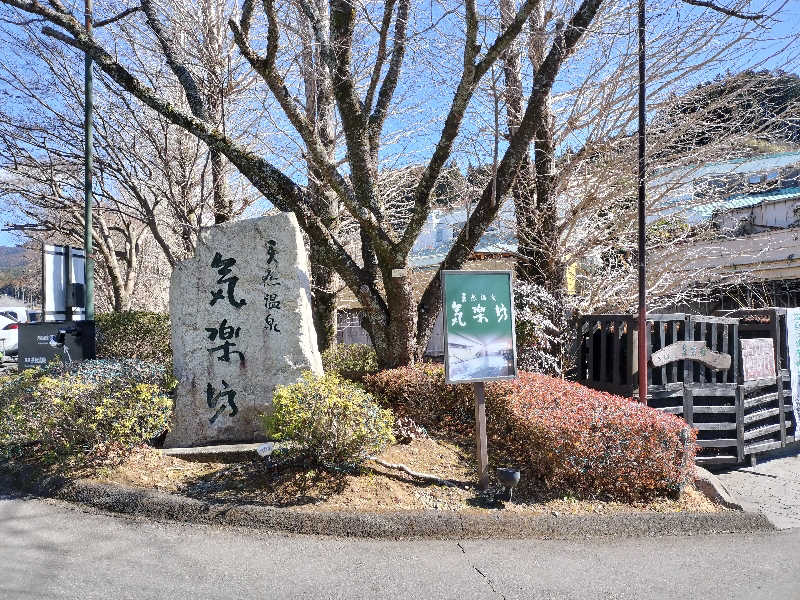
x=466, y=87
x=185, y=77
x=116, y=18
x=380, y=57
x=389, y=84
x=486, y=209
x=275, y=185
x=246, y=17
x=725, y=11
x=265, y=67
x=415, y=474
x=363, y=171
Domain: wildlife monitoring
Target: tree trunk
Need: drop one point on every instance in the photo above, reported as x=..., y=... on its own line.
x=545, y=254
x=319, y=111
x=222, y=201
x=324, y=296
x=323, y=302
x=393, y=328
x=534, y=201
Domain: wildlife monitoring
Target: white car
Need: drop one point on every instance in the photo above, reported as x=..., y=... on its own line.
x=9, y=335
x=16, y=313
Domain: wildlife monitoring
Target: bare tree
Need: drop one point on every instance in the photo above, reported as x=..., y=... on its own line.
x=150, y=174
x=399, y=326
x=579, y=207
x=53, y=208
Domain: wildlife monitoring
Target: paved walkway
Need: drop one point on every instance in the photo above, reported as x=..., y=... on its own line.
x=772, y=487
x=49, y=550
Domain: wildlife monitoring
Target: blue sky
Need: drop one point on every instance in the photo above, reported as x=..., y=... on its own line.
x=789, y=22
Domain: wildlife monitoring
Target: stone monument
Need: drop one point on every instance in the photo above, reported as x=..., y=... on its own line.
x=241, y=325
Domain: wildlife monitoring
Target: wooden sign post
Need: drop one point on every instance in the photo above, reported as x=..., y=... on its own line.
x=479, y=341
x=481, y=443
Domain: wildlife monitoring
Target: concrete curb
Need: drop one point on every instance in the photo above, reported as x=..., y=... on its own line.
x=405, y=524
x=710, y=485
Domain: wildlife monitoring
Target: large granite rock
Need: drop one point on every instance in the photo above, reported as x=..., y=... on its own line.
x=241, y=325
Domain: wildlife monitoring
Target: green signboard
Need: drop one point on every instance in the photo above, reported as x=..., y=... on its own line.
x=479, y=326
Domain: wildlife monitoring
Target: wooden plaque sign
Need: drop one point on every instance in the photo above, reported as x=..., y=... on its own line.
x=758, y=358
x=693, y=350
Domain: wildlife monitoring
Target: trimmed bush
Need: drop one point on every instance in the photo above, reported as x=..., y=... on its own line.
x=81, y=409
x=595, y=444
x=351, y=361
x=335, y=421
x=420, y=392
x=134, y=334
x=569, y=437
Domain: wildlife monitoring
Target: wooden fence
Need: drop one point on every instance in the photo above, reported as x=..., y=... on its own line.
x=767, y=403
x=734, y=418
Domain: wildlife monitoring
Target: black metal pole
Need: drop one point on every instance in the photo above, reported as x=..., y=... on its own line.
x=642, y=340
x=87, y=173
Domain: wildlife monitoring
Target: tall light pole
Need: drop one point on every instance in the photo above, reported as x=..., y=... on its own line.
x=87, y=172
x=643, y=333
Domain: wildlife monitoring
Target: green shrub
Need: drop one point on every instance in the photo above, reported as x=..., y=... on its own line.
x=351, y=361
x=84, y=408
x=134, y=334
x=335, y=421
x=570, y=438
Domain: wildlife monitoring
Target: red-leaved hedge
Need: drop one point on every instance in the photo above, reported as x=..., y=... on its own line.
x=569, y=437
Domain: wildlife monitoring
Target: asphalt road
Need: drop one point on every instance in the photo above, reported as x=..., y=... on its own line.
x=54, y=550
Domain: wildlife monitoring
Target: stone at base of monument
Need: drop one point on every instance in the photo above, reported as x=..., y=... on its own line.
x=225, y=453
x=241, y=325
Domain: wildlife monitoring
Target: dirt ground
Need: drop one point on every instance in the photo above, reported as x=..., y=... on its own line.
x=373, y=488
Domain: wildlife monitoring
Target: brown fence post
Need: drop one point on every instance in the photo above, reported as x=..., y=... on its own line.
x=740, y=423
x=481, y=443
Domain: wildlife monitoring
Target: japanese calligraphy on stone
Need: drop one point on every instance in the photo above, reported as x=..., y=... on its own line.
x=240, y=311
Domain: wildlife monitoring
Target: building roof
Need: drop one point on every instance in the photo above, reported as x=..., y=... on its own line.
x=705, y=211
x=492, y=242
x=740, y=166
x=768, y=255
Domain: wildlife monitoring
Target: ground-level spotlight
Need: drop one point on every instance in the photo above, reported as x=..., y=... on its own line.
x=509, y=478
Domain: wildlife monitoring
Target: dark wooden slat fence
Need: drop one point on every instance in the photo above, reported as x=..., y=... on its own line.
x=735, y=419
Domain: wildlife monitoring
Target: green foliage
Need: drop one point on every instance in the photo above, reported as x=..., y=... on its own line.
x=667, y=229
x=82, y=409
x=351, y=361
x=134, y=334
x=335, y=421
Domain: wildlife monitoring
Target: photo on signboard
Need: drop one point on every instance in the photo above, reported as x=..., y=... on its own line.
x=479, y=326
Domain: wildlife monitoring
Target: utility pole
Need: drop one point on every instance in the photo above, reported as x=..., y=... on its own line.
x=643, y=332
x=87, y=172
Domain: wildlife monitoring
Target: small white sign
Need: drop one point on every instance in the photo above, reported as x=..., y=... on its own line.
x=793, y=343
x=398, y=272
x=265, y=449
